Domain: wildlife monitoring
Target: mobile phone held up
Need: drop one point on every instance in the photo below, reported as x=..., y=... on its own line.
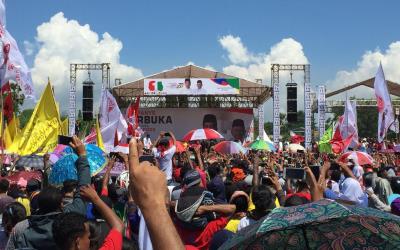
x=149, y=158
x=64, y=140
x=294, y=173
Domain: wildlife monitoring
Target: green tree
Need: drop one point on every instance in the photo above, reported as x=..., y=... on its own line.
x=17, y=96
x=25, y=116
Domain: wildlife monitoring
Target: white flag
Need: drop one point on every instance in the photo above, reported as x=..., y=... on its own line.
x=12, y=64
x=111, y=119
x=384, y=103
x=349, y=125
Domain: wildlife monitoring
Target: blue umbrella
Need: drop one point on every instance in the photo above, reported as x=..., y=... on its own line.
x=65, y=168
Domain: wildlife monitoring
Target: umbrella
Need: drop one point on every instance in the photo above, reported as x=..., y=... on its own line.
x=23, y=176
x=57, y=153
x=358, y=157
x=30, y=161
x=293, y=147
x=324, y=224
x=65, y=168
x=262, y=145
x=202, y=134
x=229, y=147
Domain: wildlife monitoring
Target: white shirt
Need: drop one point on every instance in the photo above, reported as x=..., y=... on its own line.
x=165, y=161
x=147, y=143
x=198, y=91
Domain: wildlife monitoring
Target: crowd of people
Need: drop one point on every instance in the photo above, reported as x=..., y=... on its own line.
x=195, y=199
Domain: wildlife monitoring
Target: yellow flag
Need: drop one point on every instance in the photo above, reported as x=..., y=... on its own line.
x=13, y=127
x=40, y=135
x=99, y=138
x=65, y=124
x=7, y=137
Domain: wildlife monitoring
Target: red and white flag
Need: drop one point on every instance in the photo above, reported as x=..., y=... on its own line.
x=339, y=141
x=295, y=138
x=132, y=117
x=112, y=122
x=384, y=103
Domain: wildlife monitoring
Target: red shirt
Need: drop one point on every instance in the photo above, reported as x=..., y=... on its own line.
x=112, y=241
x=104, y=192
x=201, y=238
x=301, y=194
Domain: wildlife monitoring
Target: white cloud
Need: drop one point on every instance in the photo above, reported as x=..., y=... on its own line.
x=61, y=42
x=287, y=51
x=251, y=66
x=237, y=52
x=366, y=68
x=29, y=48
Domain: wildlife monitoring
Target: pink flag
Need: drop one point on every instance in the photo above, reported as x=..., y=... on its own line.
x=384, y=103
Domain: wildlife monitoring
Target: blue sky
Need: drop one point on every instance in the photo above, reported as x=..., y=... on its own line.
x=343, y=40
x=158, y=35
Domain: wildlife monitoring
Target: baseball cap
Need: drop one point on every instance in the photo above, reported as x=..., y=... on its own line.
x=191, y=178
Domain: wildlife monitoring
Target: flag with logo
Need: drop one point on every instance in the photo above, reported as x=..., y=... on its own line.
x=112, y=122
x=40, y=135
x=385, y=109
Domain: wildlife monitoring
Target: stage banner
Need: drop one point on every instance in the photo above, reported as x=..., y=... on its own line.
x=321, y=111
x=192, y=86
x=233, y=124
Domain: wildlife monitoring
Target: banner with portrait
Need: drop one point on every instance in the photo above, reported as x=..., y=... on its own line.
x=192, y=86
x=233, y=124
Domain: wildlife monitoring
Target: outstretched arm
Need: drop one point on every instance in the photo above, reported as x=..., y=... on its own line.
x=109, y=216
x=148, y=186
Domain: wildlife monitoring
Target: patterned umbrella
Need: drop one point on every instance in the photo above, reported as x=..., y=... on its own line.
x=30, y=161
x=65, y=168
x=324, y=224
x=358, y=157
x=202, y=134
x=229, y=147
x=262, y=145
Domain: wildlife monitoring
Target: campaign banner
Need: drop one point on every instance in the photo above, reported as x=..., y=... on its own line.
x=192, y=86
x=233, y=124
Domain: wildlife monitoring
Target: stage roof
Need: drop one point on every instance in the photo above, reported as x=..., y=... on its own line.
x=394, y=88
x=252, y=92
